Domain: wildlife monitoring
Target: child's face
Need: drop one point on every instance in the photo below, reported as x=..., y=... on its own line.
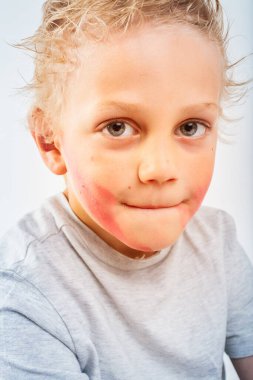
x=139, y=134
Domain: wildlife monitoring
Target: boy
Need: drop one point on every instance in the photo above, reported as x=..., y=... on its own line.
x=124, y=276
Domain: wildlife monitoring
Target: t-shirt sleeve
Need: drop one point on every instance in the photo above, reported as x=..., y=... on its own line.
x=35, y=343
x=239, y=272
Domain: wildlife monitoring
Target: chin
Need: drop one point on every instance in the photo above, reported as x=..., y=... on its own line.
x=153, y=230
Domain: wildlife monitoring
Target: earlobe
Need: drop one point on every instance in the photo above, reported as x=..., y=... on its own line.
x=49, y=151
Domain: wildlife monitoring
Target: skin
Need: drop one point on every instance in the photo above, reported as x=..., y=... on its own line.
x=138, y=191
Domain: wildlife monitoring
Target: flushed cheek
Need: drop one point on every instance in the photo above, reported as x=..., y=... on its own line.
x=101, y=205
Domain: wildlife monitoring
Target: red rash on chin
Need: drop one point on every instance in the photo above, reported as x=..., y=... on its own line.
x=100, y=203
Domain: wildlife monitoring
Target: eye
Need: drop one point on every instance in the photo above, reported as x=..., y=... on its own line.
x=118, y=129
x=192, y=129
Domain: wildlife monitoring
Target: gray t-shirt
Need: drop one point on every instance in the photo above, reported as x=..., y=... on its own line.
x=72, y=308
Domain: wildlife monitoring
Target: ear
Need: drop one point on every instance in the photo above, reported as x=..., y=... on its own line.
x=49, y=151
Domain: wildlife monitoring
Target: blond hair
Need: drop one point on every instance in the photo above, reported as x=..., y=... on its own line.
x=66, y=23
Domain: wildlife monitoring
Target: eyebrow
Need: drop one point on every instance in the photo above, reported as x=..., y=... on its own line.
x=122, y=105
x=127, y=106
x=201, y=106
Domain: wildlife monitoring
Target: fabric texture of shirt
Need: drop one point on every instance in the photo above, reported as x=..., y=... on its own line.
x=72, y=308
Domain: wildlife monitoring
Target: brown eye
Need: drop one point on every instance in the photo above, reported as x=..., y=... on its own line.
x=118, y=129
x=191, y=129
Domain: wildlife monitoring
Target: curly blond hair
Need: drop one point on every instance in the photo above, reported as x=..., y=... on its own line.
x=66, y=23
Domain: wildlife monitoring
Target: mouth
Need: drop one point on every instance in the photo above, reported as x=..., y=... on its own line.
x=151, y=207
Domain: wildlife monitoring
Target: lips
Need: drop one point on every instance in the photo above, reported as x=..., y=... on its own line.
x=151, y=207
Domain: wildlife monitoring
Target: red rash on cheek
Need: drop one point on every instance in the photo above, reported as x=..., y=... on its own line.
x=100, y=202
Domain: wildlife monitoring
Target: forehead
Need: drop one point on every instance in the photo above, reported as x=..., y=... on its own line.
x=175, y=61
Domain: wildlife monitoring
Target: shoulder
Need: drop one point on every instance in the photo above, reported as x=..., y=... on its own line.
x=33, y=227
x=36, y=252
x=24, y=252
x=24, y=305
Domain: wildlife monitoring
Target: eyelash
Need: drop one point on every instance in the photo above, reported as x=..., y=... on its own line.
x=188, y=122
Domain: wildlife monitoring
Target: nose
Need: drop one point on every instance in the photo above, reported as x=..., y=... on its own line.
x=158, y=163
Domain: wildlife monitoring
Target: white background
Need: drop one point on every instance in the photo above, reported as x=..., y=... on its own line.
x=25, y=181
